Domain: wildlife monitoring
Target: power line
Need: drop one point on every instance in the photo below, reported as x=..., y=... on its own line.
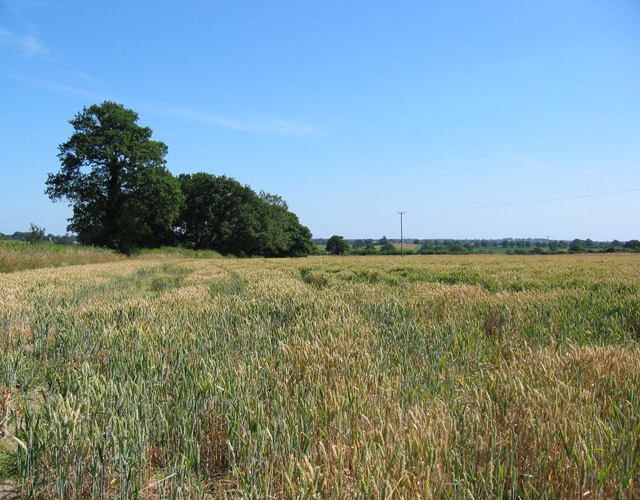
x=498, y=205
x=381, y=218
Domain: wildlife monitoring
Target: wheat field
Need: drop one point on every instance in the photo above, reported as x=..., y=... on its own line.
x=358, y=377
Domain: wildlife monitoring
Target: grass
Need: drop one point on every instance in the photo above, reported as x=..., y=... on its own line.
x=358, y=377
x=8, y=464
x=177, y=253
x=20, y=255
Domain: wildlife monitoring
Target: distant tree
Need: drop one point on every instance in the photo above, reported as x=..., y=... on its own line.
x=367, y=247
x=114, y=177
x=388, y=248
x=383, y=241
x=370, y=247
x=632, y=244
x=65, y=239
x=427, y=247
x=36, y=234
x=456, y=247
x=19, y=236
x=337, y=245
x=577, y=246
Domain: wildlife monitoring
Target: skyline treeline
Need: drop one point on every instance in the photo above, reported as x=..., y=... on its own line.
x=361, y=246
x=385, y=246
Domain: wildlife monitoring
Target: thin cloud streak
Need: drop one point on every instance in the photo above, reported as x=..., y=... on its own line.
x=59, y=88
x=31, y=47
x=530, y=202
x=15, y=5
x=28, y=45
x=277, y=127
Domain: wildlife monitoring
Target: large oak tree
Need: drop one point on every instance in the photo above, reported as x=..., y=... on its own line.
x=114, y=177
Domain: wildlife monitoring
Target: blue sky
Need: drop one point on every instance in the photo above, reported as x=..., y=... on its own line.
x=470, y=116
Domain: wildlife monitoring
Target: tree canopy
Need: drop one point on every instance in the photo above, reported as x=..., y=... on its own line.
x=223, y=215
x=337, y=245
x=577, y=246
x=114, y=177
x=123, y=197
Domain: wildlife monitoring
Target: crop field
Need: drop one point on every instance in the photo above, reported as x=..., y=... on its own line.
x=385, y=377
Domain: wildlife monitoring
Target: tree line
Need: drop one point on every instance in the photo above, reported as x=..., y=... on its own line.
x=338, y=245
x=37, y=234
x=123, y=197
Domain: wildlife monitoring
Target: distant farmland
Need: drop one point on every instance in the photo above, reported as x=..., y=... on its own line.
x=354, y=377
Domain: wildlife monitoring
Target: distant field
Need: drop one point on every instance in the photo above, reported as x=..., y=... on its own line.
x=355, y=377
x=407, y=246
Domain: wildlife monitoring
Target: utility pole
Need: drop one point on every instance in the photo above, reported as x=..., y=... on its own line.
x=401, y=235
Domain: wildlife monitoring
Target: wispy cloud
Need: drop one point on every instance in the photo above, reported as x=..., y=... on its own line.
x=528, y=161
x=17, y=6
x=28, y=44
x=57, y=87
x=261, y=126
x=24, y=35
